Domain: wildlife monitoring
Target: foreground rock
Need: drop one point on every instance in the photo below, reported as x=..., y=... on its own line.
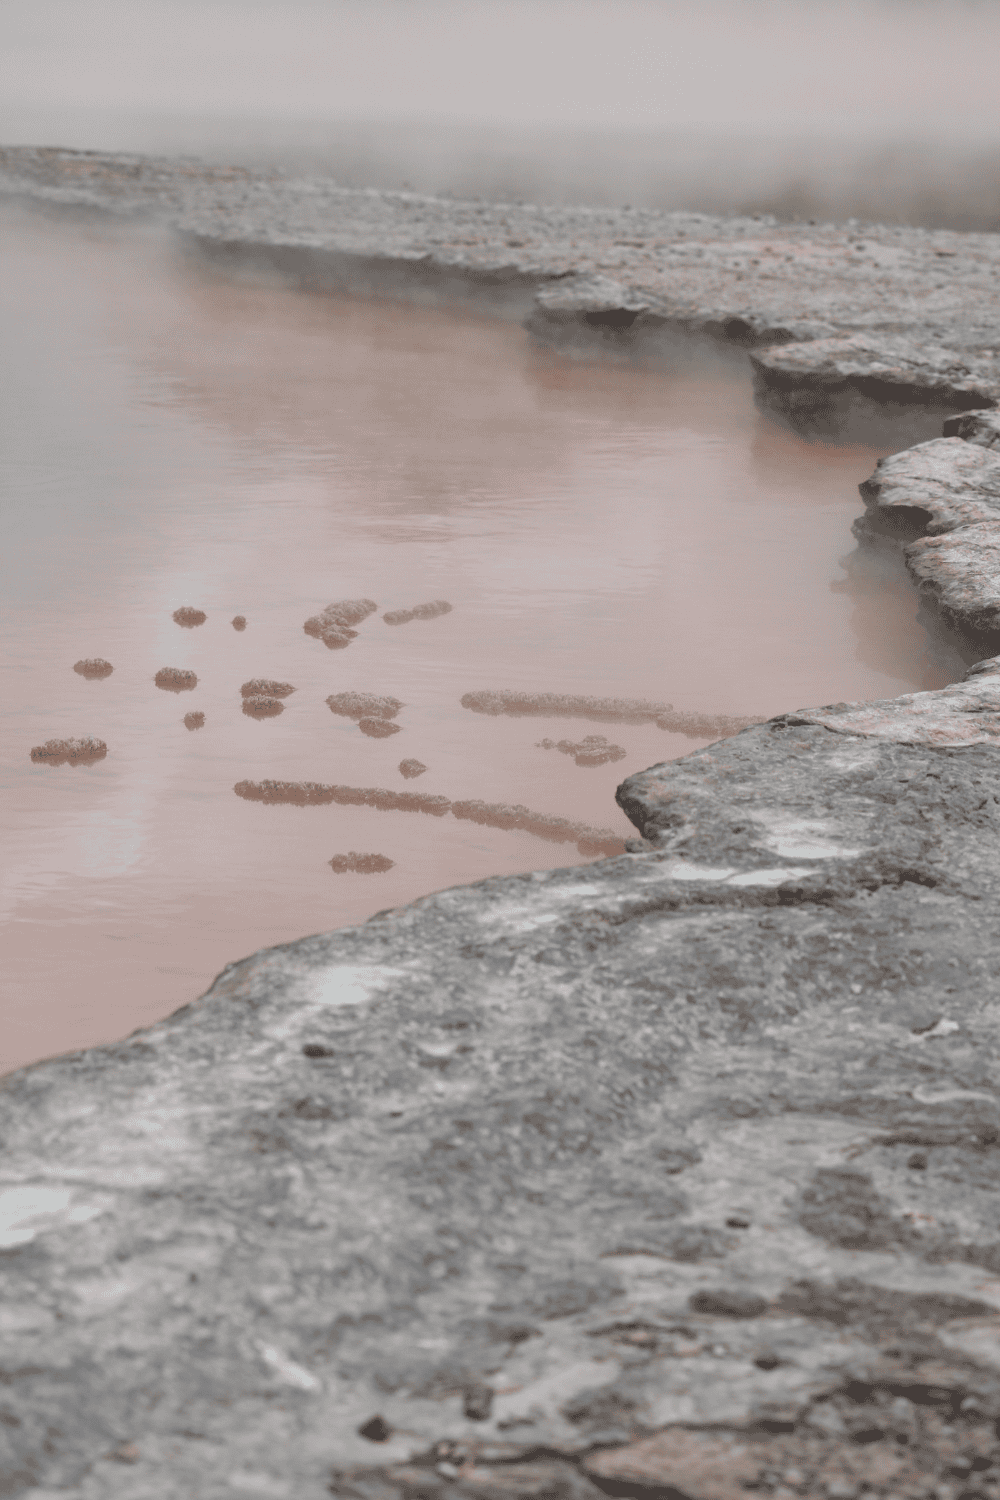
x=676, y=1171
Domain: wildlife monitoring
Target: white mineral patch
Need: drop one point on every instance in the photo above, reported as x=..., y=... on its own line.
x=798, y=838
x=34, y=1209
x=287, y=1370
x=544, y=1397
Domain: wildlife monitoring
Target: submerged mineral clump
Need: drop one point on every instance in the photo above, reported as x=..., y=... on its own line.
x=606, y=711
x=411, y=768
x=378, y=729
x=93, y=667
x=513, y=817
x=592, y=750
x=363, y=706
x=360, y=864
x=267, y=686
x=316, y=793
x=418, y=612
x=194, y=721
x=82, y=752
x=262, y=706
x=176, y=679
x=189, y=617
x=333, y=626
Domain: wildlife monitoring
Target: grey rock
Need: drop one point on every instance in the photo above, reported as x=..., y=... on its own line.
x=960, y=574
x=806, y=379
x=479, y=1139
x=982, y=427
x=930, y=489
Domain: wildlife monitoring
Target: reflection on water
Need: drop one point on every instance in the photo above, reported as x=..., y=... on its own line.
x=174, y=442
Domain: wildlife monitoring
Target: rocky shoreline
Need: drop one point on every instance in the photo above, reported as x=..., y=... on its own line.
x=674, y=1174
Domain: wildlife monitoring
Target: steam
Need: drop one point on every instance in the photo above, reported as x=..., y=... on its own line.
x=826, y=109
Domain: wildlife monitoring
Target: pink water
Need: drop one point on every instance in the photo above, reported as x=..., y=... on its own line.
x=172, y=438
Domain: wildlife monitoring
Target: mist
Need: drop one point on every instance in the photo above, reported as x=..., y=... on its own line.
x=884, y=111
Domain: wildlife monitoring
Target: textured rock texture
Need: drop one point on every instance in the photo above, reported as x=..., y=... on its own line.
x=941, y=500
x=676, y=1174
x=678, y=1170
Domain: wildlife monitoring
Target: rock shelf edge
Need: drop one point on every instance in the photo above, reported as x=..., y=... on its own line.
x=674, y=1172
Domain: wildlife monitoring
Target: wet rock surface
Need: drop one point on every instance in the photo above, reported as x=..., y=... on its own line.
x=94, y=668
x=675, y=1171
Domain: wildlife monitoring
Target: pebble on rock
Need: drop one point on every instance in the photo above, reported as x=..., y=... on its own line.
x=189, y=617
x=176, y=679
x=360, y=864
x=265, y=685
x=418, y=612
x=262, y=706
x=83, y=752
x=239, y=622
x=333, y=625
x=194, y=721
x=411, y=768
x=93, y=667
x=592, y=750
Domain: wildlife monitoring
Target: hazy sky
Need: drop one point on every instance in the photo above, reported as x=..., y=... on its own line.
x=882, y=65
